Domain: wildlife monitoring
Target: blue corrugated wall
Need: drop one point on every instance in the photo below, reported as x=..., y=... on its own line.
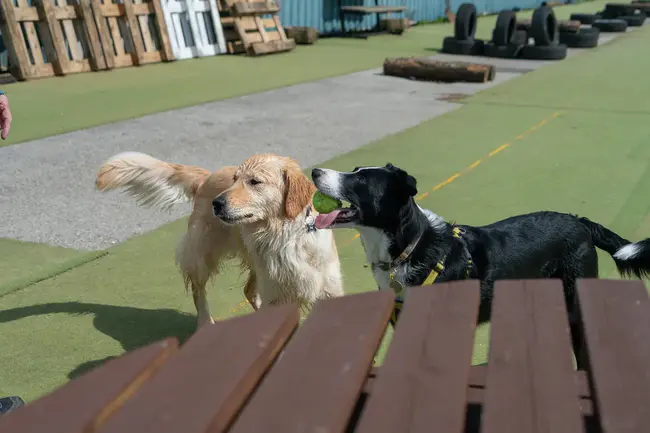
x=323, y=14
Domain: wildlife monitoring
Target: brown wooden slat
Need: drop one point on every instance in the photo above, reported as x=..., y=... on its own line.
x=255, y=8
x=315, y=383
x=260, y=48
x=203, y=387
x=67, y=12
x=616, y=321
x=14, y=41
x=60, y=63
x=87, y=400
x=97, y=59
x=423, y=381
x=103, y=32
x=166, y=53
x=476, y=385
x=531, y=385
x=134, y=30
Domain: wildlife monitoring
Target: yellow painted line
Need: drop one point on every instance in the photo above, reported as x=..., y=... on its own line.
x=452, y=178
x=499, y=149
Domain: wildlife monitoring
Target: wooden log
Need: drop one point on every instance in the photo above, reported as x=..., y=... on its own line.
x=394, y=26
x=302, y=35
x=563, y=25
x=569, y=26
x=435, y=70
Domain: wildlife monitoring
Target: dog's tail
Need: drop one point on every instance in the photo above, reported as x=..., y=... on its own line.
x=631, y=258
x=151, y=181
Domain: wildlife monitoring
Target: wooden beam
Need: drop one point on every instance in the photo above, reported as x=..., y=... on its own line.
x=60, y=64
x=134, y=31
x=97, y=59
x=13, y=38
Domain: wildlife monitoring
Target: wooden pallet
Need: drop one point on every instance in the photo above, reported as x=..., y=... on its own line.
x=60, y=37
x=53, y=42
x=133, y=33
x=247, y=28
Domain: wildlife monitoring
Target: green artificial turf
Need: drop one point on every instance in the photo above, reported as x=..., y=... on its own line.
x=594, y=162
x=25, y=263
x=56, y=105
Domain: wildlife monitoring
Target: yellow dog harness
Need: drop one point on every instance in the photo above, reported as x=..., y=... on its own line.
x=398, y=288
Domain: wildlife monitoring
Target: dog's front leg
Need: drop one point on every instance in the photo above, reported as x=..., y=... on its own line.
x=250, y=291
x=201, y=304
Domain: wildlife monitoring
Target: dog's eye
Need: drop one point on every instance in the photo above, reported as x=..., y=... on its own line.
x=254, y=182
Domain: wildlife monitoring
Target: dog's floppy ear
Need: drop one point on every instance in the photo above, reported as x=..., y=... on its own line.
x=299, y=190
x=409, y=183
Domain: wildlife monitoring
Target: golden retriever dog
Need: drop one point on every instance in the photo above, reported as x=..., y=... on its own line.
x=259, y=212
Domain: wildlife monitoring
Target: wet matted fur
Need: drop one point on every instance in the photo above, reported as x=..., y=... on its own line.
x=257, y=212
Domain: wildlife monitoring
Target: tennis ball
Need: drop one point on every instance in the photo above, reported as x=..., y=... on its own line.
x=324, y=203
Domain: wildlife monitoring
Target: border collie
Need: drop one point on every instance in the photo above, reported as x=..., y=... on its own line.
x=402, y=239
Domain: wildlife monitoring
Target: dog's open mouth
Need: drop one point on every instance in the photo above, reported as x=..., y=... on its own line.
x=337, y=217
x=235, y=219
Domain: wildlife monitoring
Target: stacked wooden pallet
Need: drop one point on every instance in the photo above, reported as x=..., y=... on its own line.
x=60, y=37
x=253, y=27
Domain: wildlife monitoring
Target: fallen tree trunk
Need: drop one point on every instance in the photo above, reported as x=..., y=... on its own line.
x=569, y=26
x=436, y=70
x=563, y=25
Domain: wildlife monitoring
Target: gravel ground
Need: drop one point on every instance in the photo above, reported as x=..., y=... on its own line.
x=47, y=186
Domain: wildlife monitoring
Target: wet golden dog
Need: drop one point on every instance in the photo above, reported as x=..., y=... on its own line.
x=259, y=212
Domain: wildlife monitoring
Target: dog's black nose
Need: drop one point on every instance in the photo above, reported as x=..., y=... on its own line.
x=218, y=204
x=316, y=173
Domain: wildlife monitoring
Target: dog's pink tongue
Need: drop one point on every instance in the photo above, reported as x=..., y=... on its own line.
x=325, y=220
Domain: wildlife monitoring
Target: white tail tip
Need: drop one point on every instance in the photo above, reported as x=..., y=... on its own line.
x=628, y=252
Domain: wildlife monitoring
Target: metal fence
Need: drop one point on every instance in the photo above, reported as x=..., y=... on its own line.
x=323, y=14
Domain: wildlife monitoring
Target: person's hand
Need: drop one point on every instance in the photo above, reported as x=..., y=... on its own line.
x=5, y=116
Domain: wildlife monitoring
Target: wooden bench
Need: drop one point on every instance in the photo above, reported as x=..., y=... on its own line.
x=259, y=373
x=366, y=10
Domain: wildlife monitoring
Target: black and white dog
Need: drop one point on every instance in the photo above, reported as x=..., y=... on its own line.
x=537, y=245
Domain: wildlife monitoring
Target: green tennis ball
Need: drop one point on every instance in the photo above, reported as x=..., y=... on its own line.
x=324, y=203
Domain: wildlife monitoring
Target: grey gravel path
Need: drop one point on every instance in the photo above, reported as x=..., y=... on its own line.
x=47, y=186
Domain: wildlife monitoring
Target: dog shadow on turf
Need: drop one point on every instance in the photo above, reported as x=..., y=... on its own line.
x=131, y=327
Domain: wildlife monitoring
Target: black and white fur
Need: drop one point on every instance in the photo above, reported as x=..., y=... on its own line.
x=536, y=245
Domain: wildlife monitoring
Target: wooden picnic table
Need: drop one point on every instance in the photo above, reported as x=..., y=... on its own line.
x=261, y=373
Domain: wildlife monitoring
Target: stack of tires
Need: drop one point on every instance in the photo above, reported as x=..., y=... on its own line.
x=506, y=41
x=585, y=37
x=544, y=30
x=618, y=17
x=463, y=41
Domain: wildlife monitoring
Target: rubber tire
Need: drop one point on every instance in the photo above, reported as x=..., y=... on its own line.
x=519, y=38
x=545, y=52
x=509, y=51
x=585, y=38
x=505, y=28
x=451, y=45
x=615, y=10
x=583, y=18
x=543, y=27
x=634, y=20
x=7, y=404
x=465, y=23
x=610, y=26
